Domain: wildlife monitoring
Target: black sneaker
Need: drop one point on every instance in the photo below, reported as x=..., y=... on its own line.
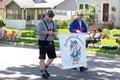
x=44, y=76
x=83, y=69
x=48, y=74
x=74, y=68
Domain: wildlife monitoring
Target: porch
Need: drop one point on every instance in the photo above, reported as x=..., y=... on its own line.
x=24, y=18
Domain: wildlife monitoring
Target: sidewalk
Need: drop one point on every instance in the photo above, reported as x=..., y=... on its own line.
x=25, y=45
x=32, y=45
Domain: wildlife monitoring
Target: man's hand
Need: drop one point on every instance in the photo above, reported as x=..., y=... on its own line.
x=78, y=31
x=50, y=33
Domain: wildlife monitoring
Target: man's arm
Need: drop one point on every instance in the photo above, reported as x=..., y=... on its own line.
x=41, y=29
x=72, y=27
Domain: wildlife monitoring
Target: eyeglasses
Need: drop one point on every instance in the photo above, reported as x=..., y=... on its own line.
x=80, y=15
x=51, y=16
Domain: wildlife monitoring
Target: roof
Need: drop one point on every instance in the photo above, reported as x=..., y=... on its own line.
x=32, y=4
x=54, y=3
x=71, y=5
x=2, y=3
x=42, y=5
x=25, y=3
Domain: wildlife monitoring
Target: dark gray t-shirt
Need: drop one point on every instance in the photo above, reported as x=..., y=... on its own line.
x=42, y=28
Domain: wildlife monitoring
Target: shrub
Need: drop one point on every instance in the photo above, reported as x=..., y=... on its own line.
x=116, y=32
x=106, y=31
x=2, y=22
x=111, y=33
x=117, y=27
x=29, y=34
x=89, y=14
x=34, y=29
x=62, y=23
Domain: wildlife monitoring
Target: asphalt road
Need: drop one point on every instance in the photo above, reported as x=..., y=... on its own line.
x=18, y=63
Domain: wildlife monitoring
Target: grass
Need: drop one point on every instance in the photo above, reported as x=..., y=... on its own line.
x=108, y=42
x=63, y=31
x=92, y=49
x=105, y=42
x=26, y=41
x=101, y=50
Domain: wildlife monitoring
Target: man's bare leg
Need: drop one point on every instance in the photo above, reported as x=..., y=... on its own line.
x=42, y=68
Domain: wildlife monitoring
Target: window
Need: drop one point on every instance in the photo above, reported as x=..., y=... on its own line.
x=60, y=12
x=13, y=14
x=86, y=6
x=30, y=15
x=81, y=6
x=42, y=13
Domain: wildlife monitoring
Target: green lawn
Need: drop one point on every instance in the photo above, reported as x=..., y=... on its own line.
x=29, y=33
x=63, y=31
x=109, y=42
x=105, y=42
x=101, y=50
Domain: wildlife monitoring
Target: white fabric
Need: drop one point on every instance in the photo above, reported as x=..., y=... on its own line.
x=73, y=50
x=78, y=31
x=97, y=35
x=80, y=23
x=1, y=31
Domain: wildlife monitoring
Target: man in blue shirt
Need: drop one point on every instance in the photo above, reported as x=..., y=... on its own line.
x=79, y=26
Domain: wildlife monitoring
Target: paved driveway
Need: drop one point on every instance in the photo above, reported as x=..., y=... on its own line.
x=22, y=64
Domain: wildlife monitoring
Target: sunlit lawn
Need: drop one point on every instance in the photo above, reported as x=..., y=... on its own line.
x=107, y=42
x=101, y=50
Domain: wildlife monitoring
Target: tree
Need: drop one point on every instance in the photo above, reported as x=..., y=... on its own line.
x=90, y=14
x=2, y=22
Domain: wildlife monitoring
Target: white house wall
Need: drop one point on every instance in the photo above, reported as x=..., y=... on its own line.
x=16, y=24
x=68, y=16
x=112, y=3
x=118, y=13
x=85, y=2
x=99, y=9
x=115, y=4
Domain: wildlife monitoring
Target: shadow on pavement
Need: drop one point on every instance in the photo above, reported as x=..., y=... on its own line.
x=32, y=72
x=100, y=68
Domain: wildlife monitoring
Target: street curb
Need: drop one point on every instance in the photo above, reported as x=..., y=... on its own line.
x=15, y=44
x=112, y=56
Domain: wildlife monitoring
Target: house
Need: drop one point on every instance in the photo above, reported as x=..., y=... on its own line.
x=2, y=2
x=107, y=11
x=22, y=13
